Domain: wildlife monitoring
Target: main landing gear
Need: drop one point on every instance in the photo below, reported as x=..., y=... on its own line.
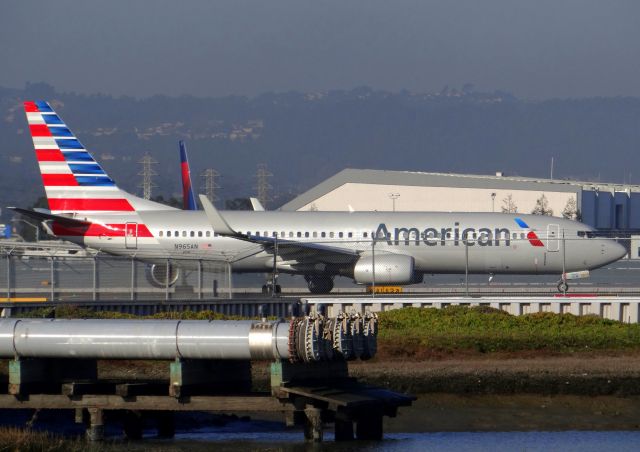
x=319, y=284
x=272, y=287
x=563, y=287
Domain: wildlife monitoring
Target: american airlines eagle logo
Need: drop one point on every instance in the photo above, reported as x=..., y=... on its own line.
x=531, y=236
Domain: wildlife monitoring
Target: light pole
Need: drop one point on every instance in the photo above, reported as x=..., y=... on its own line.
x=493, y=202
x=30, y=224
x=393, y=197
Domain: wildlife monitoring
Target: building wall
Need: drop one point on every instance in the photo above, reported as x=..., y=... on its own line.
x=369, y=197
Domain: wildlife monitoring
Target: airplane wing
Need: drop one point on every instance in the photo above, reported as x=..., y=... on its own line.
x=42, y=216
x=287, y=249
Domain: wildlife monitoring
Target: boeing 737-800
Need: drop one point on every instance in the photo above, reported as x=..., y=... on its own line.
x=88, y=208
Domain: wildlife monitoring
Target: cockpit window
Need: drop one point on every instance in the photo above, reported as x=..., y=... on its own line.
x=587, y=234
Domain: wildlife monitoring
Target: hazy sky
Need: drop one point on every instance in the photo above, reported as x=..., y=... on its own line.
x=535, y=49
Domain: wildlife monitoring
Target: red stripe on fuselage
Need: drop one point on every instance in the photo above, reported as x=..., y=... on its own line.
x=79, y=204
x=59, y=180
x=49, y=155
x=30, y=107
x=99, y=230
x=39, y=130
x=533, y=239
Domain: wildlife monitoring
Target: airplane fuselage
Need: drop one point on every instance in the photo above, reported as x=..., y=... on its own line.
x=439, y=242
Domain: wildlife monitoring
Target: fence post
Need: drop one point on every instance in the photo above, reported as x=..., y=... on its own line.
x=52, y=276
x=466, y=266
x=8, y=275
x=199, y=279
x=373, y=268
x=564, y=270
x=133, y=278
x=166, y=282
x=229, y=281
x=95, y=278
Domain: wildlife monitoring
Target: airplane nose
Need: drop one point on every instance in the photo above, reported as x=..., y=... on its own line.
x=616, y=251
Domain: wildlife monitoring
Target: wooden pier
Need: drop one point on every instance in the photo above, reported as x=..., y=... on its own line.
x=307, y=395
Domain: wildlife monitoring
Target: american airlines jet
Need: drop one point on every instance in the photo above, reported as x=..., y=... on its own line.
x=88, y=208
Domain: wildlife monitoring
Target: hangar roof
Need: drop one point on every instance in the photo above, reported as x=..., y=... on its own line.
x=415, y=178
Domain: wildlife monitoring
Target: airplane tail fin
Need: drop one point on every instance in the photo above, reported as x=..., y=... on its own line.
x=74, y=182
x=188, y=198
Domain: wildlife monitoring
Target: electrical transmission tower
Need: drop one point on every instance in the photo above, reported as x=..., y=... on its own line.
x=147, y=174
x=209, y=181
x=263, y=188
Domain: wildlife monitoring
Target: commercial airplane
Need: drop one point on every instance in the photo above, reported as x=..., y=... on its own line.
x=88, y=208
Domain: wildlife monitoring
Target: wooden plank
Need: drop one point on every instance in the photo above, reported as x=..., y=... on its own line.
x=258, y=403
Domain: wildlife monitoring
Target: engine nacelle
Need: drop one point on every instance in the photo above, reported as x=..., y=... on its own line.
x=157, y=274
x=389, y=269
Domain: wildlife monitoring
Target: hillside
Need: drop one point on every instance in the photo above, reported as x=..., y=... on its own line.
x=307, y=137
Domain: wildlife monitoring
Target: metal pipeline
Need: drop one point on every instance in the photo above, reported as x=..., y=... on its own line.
x=310, y=338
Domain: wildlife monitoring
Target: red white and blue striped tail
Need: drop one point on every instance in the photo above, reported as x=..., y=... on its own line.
x=74, y=182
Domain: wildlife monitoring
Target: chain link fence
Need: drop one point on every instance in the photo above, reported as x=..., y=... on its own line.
x=389, y=263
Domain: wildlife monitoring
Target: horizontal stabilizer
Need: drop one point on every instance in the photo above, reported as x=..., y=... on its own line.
x=42, y=216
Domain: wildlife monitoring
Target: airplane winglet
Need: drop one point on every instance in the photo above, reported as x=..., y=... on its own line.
x=256, y=204
x=219, y=224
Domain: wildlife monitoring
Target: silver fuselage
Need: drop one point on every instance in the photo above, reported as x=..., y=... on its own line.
x=439, y=242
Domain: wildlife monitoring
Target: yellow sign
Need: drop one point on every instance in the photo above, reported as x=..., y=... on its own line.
x=384, y=289
x=23, y=300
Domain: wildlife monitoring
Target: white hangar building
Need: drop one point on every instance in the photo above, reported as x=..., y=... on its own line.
x=602, y=205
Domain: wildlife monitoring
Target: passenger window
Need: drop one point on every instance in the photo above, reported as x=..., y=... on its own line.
x=299, y=234
x=290, y=234
x=306, y=234
x=208, y=233
x=323, y=234
x=282, y=234
x=365, y=235
x=184, y=233
x=340, y=234
x=331, y=234
x=199, y=233
x=160, y=233
x=266, y=233
x=273, y=234
x=315, y=234
x=168, y=233
x=176, y=233
x=522, y=236
x=350, y=234
x=192, y=234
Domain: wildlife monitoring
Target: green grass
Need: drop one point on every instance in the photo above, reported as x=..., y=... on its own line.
x=75, y=312
x=486, y=330
x=416, y=331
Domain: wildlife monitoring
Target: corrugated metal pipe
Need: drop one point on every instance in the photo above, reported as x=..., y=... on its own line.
x=305, y=339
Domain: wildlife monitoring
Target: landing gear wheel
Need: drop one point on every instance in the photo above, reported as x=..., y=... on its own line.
x=320, y=284
x=563, y=287
x=267, y=289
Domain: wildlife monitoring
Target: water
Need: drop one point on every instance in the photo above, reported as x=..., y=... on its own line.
x=579, y=441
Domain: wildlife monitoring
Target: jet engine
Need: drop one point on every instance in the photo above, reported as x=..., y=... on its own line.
x=157, y=274
x=388, y=269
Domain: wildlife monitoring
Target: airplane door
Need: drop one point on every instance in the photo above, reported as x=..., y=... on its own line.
x=131, y=235
x=553, y=238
